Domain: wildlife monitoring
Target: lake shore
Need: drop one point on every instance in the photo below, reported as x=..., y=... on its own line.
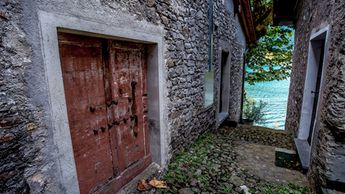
x=275, y=93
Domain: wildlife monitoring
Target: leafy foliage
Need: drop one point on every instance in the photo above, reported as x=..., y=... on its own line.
x=271, y=57
x=253, y=110
x=262, y=12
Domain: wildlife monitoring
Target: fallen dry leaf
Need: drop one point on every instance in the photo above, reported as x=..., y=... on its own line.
x=142, y=185
x=158, y=184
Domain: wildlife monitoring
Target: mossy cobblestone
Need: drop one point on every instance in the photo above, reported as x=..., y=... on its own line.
x=211, y=165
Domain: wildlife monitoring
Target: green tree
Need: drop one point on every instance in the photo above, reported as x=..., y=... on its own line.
x=271, y=57
x=262, y=12
x=253, y=109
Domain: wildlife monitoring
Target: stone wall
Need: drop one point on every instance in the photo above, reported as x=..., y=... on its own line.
x=309, y=18
x=24, y=137
x=328, y=148
x=26, y=143
x=237, y=57
x=186, y=24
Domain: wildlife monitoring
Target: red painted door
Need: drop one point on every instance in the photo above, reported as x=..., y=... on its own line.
x=105, y=89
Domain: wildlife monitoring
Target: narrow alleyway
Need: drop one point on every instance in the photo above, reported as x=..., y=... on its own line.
x=233, y=160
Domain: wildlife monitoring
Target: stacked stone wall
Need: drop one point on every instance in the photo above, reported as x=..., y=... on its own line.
x=27, y=149
x=328, y=148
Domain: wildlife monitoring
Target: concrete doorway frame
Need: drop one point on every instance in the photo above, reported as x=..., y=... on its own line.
x=50, y=24
x=302, y=144
x=224, y=90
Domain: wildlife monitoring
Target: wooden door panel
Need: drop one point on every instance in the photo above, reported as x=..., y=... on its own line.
x=81, y=63
x=127, y=70
x=106, y=96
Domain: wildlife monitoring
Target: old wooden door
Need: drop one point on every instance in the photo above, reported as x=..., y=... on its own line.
x=105, y=89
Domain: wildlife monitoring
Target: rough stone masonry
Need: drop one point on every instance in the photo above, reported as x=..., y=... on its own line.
x=26, y=145
x=328, y=148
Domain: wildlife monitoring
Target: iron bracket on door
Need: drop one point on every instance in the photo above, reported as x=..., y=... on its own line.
x=95, y=108
x=95, y=131
x=111, y=103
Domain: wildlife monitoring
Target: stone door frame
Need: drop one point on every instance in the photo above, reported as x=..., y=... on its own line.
x=303, y=131
x=225, y=48
x=50, y=24
x=302, y=144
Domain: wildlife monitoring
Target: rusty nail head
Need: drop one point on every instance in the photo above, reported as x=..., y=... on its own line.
x=92, y=109
x=102, y=129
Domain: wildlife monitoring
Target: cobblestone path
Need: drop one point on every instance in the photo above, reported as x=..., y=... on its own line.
x=233, y=160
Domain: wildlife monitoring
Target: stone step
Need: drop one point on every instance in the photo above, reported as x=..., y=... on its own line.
x=303, y=150
x=286, y=158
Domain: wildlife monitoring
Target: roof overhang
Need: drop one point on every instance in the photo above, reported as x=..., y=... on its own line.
x=246, y=19
x=284, y=12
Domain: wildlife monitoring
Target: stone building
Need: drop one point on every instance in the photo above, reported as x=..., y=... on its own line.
x=316, y=105
x=93, y=92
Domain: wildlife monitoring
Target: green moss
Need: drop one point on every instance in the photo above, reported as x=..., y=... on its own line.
x=185, y=165
x=227, y=189
x=285, y=189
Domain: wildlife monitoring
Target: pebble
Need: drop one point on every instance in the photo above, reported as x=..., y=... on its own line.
x=186, y=191
x=237, y=181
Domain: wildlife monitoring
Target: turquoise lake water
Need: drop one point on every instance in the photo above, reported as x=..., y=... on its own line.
x=275, y=93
